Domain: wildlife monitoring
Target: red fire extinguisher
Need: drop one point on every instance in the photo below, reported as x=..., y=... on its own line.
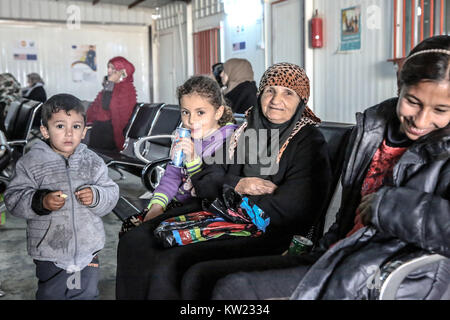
x=316, y=31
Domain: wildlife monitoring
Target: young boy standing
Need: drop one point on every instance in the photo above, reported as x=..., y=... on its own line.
x=62, y=188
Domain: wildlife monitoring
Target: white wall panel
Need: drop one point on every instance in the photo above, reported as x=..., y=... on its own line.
x=351, y=82
x=172, y=64
x=287, y=32
x=54, y=60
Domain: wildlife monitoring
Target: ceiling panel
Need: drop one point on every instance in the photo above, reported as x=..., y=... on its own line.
x=146, y=3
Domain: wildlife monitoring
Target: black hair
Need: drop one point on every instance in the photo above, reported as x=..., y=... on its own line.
x=208, y=88
x=429, y=66
x=217, y=70
x=58, y=102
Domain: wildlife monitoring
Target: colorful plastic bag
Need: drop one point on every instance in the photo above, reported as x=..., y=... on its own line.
x=228, y=217
x=2, y=210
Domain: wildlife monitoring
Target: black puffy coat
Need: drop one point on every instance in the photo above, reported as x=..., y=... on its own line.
x=410, y=218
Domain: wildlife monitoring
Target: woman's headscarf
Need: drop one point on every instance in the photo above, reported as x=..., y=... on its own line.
x=238, y=71
x=9, y=88
x=285, y=75
x=120, y=63
x=34, y=78
x=119, y=106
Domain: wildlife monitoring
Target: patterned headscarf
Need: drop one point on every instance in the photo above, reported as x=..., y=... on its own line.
x=290, y=76
x=238, y=71
x=286, y=75
x=9, y=88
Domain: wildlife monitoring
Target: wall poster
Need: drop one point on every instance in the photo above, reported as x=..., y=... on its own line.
x=84, y=63
x=350, y=29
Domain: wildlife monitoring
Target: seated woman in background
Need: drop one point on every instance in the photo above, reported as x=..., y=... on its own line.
x=240, y=91
x=111, y=110
x=35, y=90
x=395, y=201
x=9, y=92
x=289, y=181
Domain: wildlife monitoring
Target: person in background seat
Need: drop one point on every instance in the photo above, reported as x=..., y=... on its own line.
x=9, y=92
x=111, y=110
x=240, y=91
x=35, y=90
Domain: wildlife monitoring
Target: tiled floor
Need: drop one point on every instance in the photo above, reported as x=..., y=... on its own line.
x=17, y=270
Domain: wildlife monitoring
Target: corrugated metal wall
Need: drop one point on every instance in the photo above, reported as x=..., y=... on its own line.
x=171, y=40
x=347, y=83
x=60, y=11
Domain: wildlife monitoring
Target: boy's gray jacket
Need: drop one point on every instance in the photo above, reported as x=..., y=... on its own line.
x=69, y=237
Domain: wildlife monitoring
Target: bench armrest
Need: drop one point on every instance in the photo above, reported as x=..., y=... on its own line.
x=140, y=141
x=390, y=286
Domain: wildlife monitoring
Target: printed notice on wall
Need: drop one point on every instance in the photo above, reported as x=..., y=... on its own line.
x=84, y=63
x=238, y=38
x=350, y=29
x=25, y=50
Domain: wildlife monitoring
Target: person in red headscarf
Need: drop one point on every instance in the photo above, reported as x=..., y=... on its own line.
x=112, y=108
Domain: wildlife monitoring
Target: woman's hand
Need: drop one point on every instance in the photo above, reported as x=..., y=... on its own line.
x=54, y=201
x=155, y=210
x=365, y=208
x=255, y=186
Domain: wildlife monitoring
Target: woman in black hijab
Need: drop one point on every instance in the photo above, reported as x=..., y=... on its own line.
x=285, y=173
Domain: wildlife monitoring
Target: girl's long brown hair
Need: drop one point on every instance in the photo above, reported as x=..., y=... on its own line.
x=210, y=90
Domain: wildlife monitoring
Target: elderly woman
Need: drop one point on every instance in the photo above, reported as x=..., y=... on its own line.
x=289, y=180
x=35, y=90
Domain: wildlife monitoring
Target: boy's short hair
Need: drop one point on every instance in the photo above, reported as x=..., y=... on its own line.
x=58, y=102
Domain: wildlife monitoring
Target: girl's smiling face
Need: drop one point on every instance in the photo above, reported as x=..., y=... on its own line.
x=423, y=108
x=199, y=115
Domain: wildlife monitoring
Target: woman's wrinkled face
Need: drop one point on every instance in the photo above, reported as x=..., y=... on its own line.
x=279, y=103
x=423, y=108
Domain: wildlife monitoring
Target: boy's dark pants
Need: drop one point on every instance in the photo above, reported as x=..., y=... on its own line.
x=57, y=284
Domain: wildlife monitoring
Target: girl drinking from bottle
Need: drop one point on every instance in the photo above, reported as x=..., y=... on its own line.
x=210, y=121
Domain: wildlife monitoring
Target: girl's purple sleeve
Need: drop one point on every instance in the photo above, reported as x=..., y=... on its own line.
x=168, y=186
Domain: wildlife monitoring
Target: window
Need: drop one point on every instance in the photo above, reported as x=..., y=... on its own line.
x=206, y=50
x=415, y=20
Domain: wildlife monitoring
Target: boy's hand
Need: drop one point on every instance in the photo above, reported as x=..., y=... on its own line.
x=54, y=201
x=85, y=196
